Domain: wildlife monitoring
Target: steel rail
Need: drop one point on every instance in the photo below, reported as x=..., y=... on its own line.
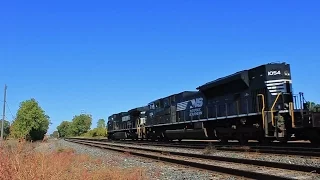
x=226, y=170
x=294, y=167
x=298, y=151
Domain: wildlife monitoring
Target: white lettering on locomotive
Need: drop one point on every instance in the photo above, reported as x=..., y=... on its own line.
x=195, y=112
x=274, y=73
x=196, y=103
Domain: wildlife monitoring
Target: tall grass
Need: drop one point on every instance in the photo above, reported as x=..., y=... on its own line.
x=22, y=161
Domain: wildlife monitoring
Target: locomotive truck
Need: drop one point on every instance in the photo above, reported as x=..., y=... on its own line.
x=253, y=104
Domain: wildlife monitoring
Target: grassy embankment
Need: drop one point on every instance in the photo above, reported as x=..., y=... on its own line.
x=37, y=161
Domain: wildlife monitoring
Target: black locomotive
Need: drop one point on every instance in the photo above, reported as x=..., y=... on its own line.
x=254, y=104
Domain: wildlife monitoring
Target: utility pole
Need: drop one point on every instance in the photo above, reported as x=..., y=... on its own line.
x=4, y=110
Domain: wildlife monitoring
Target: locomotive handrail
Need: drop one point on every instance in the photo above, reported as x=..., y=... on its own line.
x=274, y=103
x=292, y=114
x=262, y=110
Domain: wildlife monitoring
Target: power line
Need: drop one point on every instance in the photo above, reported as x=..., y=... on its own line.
x=13, y=117
x=5, y=119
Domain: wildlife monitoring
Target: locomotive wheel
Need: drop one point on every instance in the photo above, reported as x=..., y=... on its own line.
x=283, y=140
x=224, y=140
x=243, y=140
x=264, y=140
x=315, y=141
x=314, y=137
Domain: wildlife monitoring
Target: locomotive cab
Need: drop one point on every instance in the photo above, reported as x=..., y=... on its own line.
x=251, y=104
x=137, y=116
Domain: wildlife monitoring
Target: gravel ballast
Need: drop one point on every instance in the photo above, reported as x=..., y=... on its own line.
x=236, y=166
x=288, y=159
x=154, y=170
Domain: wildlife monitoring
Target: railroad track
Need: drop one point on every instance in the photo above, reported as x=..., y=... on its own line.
x=247, y=168
x=303, y=150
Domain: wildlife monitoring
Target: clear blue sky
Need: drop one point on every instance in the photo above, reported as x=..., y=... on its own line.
x=104, y=57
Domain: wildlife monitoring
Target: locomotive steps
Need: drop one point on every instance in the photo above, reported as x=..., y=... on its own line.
x=240, y=167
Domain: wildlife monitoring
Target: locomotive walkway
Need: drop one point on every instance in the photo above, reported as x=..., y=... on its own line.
x=248, y=168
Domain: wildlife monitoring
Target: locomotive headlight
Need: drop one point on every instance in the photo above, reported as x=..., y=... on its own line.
x=286, y=73
x=286, y=105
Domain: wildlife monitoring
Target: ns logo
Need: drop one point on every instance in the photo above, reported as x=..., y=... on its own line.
x=196, y=103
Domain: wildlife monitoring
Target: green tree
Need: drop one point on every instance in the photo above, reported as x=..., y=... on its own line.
x=101, y=123
x=64, y=129
x=31, y=121
x=81, y=124
x=6, y=128
x=55, y=134
x=312, y=106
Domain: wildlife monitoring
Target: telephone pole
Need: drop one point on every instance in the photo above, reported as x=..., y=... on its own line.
x=4, y=110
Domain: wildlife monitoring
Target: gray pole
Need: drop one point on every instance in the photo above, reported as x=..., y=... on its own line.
x=4, y=110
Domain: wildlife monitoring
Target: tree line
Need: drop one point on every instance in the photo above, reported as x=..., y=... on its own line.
x=80, y=126
x=312, y=106
x=32, y=123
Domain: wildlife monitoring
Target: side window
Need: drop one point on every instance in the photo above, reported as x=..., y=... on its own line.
x=151, y=106
x=157, y=105
x=236, y=96
x=166, y=103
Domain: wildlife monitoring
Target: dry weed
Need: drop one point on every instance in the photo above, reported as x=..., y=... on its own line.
x=209, y=149
x=21, y=161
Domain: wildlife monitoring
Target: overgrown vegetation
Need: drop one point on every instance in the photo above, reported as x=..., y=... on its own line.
x=209, y=149
x=24, y=161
